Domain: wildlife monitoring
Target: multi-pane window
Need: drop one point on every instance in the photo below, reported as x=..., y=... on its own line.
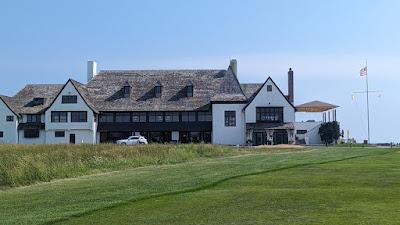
x=123, y=117
x=9, y=118
x=33, y=118
x=107, y=118
x=69, y=99
x=59, y=117
x=172, y=117
x=1, y=134
x=269, y=88
x=31, y=133
x=139, y=117
x=59, y=134
x=188, y=116
x=156, y=117
x=230, y=118
x=269, y=114
x=79, y=116
x=204, y=116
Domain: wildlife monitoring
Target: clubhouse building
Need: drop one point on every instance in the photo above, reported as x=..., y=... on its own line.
x=179, y=106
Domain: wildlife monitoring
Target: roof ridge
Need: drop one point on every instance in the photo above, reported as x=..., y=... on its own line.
x=157, y=70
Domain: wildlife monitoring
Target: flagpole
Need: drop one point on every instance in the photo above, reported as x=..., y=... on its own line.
x=366, y=78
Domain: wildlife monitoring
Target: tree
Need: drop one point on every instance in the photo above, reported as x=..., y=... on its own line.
x=329, y=132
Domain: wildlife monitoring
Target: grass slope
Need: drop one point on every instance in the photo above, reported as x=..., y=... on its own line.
x=27, y=164
x=356, y=191
x=65, y=199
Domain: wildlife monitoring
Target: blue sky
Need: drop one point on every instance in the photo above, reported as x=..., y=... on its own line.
x=326, y=43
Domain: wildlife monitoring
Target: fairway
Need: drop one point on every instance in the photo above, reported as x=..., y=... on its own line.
x=355, y=191
x=310, y=186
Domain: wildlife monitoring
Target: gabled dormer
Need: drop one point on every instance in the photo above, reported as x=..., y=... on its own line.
x=35, y=102
x=157, y=90
x=270, y=105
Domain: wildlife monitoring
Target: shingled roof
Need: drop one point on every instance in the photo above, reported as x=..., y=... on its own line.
x=250, y=89
x=105, y=89
x=24, y=101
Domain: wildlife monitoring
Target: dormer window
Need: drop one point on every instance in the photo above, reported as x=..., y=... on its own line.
x=157, y=90
x=189, y=90
x=38, y=101
x=35, y=102
x=126, y=90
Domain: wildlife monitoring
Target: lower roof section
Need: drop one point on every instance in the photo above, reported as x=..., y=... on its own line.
x=315, y=106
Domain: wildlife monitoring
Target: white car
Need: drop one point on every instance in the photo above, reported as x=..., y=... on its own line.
x=133, y=140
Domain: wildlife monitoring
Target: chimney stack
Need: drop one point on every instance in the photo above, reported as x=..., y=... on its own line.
x=290, y=86
x=91, y=70
x=233, y=65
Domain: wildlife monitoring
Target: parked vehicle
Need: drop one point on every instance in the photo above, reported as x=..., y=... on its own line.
x=133, y=140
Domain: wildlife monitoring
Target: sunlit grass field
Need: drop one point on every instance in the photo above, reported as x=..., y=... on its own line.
x=27, y=164
x=223, y=186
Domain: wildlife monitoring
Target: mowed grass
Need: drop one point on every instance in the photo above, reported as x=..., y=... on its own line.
x=356, y=191
x=27, y=164
x=142, y=195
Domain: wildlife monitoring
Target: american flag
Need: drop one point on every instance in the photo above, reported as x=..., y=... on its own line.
x=363, y=71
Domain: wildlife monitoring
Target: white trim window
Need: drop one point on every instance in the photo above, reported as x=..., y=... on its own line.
x=69, y=99
x=59, y=117
x=230, y=118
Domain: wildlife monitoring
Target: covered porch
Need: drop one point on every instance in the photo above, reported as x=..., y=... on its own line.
x=270, y=133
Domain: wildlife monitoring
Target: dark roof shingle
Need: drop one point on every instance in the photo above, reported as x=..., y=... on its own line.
x=22, y=102
x=105, y=89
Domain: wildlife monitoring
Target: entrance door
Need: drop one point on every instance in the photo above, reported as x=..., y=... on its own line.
x=72, y=138
x=280, y=137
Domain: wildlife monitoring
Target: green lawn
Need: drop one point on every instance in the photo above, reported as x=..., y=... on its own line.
x=313, y=186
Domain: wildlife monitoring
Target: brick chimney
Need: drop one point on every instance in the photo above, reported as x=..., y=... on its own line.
x=290, y=86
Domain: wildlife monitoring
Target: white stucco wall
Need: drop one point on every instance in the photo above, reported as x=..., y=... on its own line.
x=228, y=135
x=270, y=99
x=85, y=131
x=312, y=136
x=9, y=129
x=81, y=137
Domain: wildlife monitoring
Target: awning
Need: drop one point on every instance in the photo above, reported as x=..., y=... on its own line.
x=315, y=106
